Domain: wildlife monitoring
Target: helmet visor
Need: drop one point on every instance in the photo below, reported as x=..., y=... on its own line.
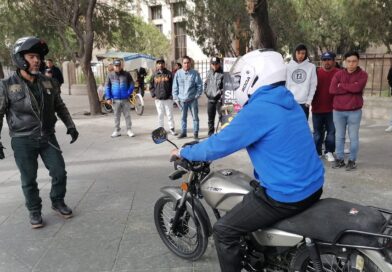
x=241, y=77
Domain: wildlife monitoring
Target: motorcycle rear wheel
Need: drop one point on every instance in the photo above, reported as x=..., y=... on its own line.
x=106, y=108
x=139, y=106
x=190, y=240
x=331, y=262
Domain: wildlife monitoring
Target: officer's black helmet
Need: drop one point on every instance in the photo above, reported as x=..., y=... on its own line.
x=28, y=45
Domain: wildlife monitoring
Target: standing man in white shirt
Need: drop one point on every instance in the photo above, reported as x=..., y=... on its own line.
x=301, y=78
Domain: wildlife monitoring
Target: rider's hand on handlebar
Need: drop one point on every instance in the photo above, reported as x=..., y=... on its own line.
x=109, y=101
x=174, y=155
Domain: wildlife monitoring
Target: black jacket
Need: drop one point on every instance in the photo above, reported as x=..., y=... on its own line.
x=161, y=85
x=213, y=87
x=390, y=77
x=57, y=75
x=16, y=103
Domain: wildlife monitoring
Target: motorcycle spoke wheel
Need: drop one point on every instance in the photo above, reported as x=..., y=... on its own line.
x=189, y=240
x=106, y=108
x=331, y=263
x=139, y=104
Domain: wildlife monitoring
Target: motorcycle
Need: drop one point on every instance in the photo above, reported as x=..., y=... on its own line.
x=331, y=236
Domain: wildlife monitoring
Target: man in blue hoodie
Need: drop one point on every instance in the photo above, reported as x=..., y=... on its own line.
x=118, y=88
x=274, y=131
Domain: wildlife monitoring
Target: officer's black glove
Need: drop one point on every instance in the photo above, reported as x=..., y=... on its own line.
x=74, y=134
x=1, y=151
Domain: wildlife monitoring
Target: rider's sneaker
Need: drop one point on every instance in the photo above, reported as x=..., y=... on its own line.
x=116, y=134
x=130, y=133
x=338, y=164
x=61, y=208
x=351, y=165
x=173, y=132
x=329, y=157
x=36, y=220
x=388, y=129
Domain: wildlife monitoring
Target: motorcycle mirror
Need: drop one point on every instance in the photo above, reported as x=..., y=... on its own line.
x=159, y=135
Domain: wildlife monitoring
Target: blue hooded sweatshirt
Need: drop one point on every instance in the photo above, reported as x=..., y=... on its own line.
x=119, y=85
x=273, y=129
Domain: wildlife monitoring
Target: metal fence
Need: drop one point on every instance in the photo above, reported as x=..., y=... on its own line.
x=376, y=65
x=202, y=67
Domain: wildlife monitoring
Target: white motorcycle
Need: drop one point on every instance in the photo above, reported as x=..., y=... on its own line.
x=331, y=236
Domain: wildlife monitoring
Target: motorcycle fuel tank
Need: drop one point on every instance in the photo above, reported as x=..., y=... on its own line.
x=223, y=189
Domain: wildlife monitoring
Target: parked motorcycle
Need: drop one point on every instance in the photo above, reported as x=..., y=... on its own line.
x=331, y=236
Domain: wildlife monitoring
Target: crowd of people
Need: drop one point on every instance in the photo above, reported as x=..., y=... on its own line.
x=336, y=99
x=272, y=126
x=332, y=94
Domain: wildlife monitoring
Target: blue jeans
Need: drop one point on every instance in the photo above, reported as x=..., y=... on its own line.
x=193, y=106
x=323, y=122
x=350, y=120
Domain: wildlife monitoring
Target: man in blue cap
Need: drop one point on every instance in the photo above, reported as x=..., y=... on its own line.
x=118, y=88
x=322, y=107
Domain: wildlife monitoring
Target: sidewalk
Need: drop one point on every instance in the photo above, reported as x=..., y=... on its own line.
x=113, y=185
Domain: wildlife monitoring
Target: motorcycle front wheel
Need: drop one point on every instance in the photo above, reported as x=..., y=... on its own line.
x=190, y=239
x=331, y=262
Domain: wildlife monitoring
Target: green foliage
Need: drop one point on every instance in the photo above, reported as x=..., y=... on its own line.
x=337, y=25
x=112, y=27
x=134, y=35
x=215, y=23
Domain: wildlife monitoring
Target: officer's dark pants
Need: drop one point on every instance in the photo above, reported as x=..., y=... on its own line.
x=256, y=211
x=212, y=108
x=26, y=151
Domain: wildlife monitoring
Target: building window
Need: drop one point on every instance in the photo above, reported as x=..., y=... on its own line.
x=179, y=39
x=160, y=28
x=179, y=9
x=156, y=12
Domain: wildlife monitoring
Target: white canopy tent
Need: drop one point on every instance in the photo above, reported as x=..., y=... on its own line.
x=131, y=61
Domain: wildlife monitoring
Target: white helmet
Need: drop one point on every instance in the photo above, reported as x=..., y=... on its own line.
x=256, y=69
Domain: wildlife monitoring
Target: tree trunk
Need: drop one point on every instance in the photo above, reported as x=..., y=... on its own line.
x=262, y=36
x=95, y=106
x=1, y=71
x=86, y=50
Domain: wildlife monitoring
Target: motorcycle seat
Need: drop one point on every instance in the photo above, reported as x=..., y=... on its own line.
x=329, y=217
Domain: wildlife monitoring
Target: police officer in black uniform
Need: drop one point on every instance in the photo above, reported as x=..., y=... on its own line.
x=31, y=102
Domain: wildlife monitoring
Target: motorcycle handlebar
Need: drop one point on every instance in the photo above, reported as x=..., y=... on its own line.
x=177, y=174
x=195, y=166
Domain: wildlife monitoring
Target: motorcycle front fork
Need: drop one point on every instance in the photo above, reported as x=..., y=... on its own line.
x=179, y=211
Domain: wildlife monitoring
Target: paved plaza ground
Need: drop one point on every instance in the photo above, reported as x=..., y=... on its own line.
x=112, y=187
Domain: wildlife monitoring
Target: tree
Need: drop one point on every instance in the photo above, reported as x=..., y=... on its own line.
x=379, y=20
x=262, y=34
x=73, y=28
x=214, y=26
x=134, y=35
x=321, y=24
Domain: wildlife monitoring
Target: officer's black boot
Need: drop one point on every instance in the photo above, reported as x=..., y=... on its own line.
x=62, y=209
x=36, y=220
